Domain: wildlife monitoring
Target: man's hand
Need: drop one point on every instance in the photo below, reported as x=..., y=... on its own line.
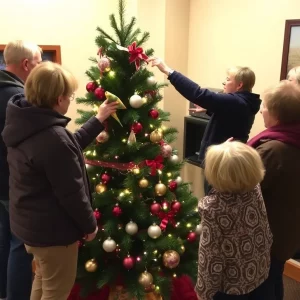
x=197, y=109
x=91, y=236
x=157, y=62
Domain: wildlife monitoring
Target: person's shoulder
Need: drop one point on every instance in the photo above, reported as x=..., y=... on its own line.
x=271, y=146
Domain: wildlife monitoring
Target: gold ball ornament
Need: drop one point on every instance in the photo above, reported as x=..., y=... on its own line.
x=160, y=189
x=171, y=259
x=91, y=266
x=156, y=136
x=182, y=249
x=101, y=188
x=136, y=171
x=143, y=183
x=145, y=279
x=103, y=137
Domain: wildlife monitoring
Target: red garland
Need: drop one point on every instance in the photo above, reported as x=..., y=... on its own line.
x=112, y=165
x=166, y=217
x=155, y=164
x=136, y=54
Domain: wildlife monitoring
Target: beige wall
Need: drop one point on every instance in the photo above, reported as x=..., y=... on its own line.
x=69, y=23
x=234, y=32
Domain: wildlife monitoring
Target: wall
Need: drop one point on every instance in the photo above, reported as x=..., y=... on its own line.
x=233, y=32
x=69, y=23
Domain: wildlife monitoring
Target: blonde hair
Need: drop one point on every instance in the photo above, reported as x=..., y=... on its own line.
x=233, y=167
x=15, y=52
x=244, y=75
x=47, y=82
x=296, y=71
x=283, y=102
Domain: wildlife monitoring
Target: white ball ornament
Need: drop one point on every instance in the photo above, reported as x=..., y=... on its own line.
x=109, y=245
x=131, y=228
x=154, y=231
x=136, y=101
x=178, y=180
x=199, y=229
x=151, y=80
x=174, y=159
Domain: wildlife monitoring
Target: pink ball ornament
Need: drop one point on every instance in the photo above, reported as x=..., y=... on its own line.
x=166, y=150
x=104, y=64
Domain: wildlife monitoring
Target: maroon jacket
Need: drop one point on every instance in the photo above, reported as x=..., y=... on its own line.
x=50, y=198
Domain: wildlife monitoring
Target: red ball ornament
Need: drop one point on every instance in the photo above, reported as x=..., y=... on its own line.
x=91, y=86
x=100, y=93
x=192, y=236
x=128, y=262
x=105, y=178
x=97, y=214
x=153, y=113
x=173, y=185
x=176, y=205
x=117, y=211
x=136, y=127
x=155, y=208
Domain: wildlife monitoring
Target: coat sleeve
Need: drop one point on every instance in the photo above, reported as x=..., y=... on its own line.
x=210, y=261
x=88, y=132
x=211, y=101
x=272, y=165
x=65, y=175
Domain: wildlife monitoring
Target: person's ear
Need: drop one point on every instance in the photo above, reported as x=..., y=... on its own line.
x=60, y=100
x=25, y=64
x=239, y=87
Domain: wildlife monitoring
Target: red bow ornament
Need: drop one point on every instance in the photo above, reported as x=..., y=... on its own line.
x=166, y=217
x=136, y=54
x=155, y=164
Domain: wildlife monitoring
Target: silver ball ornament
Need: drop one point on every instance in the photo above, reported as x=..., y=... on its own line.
x=174, y=159
x=109, y=245
x=151, y=80
x=154, y=231
x=178, y=180
x=198, y=229
x=136, y=101
x=131, y=228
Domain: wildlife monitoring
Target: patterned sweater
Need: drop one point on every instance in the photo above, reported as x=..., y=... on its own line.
x=235, y=243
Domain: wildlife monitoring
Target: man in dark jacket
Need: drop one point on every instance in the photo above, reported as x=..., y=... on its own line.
x=15, y=264
x=232, y=112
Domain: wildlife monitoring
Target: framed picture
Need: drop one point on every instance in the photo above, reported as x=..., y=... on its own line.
x=291, y=47
x=50, y=52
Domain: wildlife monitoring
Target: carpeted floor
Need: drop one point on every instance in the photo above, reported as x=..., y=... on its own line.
x=291, y=289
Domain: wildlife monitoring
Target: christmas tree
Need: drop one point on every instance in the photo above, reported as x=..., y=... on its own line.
x=147, y=217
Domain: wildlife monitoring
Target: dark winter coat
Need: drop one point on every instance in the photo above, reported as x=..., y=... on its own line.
x=279, y=148
x=50, y=198
x=232, y=115
x=10, y=85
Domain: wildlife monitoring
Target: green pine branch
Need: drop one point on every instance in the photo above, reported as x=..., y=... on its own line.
x=106, y=35
x=128, y=29
x=114, y=25
x=144, y=39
